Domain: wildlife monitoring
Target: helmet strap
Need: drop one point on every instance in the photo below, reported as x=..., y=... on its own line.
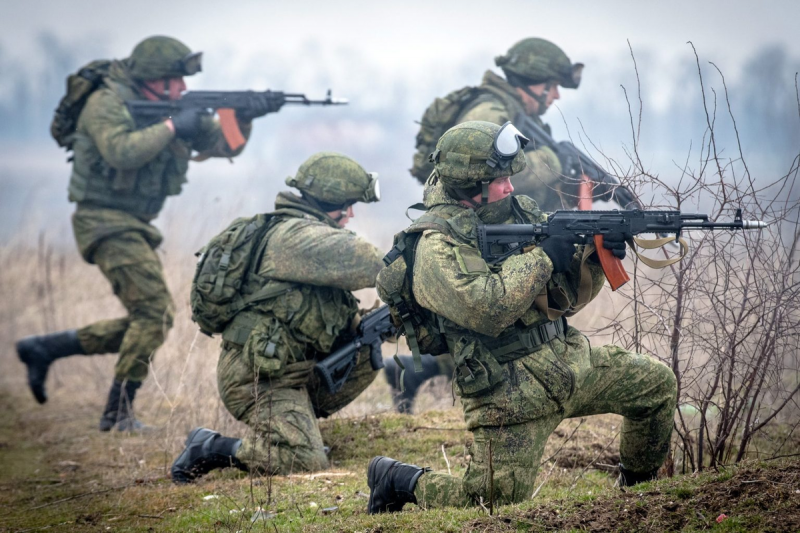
x=540, y=99
x=485, y=192
x=144, y=88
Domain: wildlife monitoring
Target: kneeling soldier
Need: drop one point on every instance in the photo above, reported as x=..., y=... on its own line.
x=307, y=264
x=520, y=369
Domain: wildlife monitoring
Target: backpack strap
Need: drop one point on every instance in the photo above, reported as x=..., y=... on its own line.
x=405, y=244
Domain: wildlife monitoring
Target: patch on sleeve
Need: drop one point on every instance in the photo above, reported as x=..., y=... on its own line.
x=470, y=260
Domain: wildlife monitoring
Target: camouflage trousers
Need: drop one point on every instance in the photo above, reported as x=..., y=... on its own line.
x=281, y=406
x=131, y=265
x=593, y=381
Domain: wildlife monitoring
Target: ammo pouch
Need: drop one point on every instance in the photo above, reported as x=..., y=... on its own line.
x=263, y=343
x=478, y=361
x=477, y=370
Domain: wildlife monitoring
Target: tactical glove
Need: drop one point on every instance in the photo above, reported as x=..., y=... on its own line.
x=616, y=243
x=187, y=123
x=258, y=105
x=560, y=251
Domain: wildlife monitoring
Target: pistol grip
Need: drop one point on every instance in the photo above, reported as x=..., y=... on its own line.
x=230, y=128
x=612, y=267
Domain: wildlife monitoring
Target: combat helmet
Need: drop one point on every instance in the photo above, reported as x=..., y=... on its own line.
x=472, y=154
x=331, y=181
x=163, y=57
x=533, y=61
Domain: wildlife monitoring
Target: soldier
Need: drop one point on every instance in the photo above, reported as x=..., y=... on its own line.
x=534, y=70
x=520, y=369
x=265, y=371
x=120, y=179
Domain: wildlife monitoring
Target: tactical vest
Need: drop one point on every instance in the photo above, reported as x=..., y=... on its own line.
x=141, y=191
x=477, y=356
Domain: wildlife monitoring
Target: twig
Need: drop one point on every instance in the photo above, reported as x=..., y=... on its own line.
x=447, y=462
x=491, y=481
x=591, y=463
x=564, y=443
x=428, y=428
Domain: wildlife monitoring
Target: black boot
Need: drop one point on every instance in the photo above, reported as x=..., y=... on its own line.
x=206, y=450
x=38, y=351
x=119, y=408
x=404, y=400
x=391, y=484
x=628, y=478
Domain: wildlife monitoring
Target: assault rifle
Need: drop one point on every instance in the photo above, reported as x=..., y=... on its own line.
x=225, y=104
x=575, y=164
x=585, y=226
x=375, y=327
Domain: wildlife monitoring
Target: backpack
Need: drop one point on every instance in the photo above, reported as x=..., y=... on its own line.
x=79, y=86
x=226, y=280
x=395, y=286
x=440, y=116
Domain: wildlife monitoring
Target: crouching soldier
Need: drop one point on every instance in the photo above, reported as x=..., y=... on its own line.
x=520, y=369
x=282, y=302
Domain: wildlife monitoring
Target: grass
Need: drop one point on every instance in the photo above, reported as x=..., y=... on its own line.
x=58, y=473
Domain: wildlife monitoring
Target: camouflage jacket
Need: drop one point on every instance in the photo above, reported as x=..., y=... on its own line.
x=306, y=247
x=500, y=103
x=479, y=303
x=119, y=167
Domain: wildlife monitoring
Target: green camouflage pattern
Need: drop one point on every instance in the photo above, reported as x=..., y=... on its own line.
x=119, y=167
x=541, y=179
x=460, y=156
x=331, y=177
x=268, y=381
x=539, y=61
x=516, y=404
x=157, y=57
x=124, y=250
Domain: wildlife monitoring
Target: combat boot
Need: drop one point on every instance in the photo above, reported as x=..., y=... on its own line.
x=391, y=484
x=119, y=408
x=404, y=399
x=206, y=450
x=39, y=351
x=627, y=478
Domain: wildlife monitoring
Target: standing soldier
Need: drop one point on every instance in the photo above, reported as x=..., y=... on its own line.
x=520, y=369
x=534, y=71
x=120, y=179
x=303, y=310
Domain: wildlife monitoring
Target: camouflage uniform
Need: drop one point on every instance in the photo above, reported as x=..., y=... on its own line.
x=518, y=396
x=120, y=180
x=121, y=177
x=280, y=397
x=274, y=390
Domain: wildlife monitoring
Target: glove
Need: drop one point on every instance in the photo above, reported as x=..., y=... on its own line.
x=616, y=243
x=258, y=105
x=560, y=251
x=187, y=123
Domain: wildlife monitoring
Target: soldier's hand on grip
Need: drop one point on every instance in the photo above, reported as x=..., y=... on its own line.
x=187, y=123
x=560, y=251
x=258, y=106
x=616, y=243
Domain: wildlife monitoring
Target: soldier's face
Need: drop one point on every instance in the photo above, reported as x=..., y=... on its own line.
x=531, y=105
x=499, y=189
x=172, y=88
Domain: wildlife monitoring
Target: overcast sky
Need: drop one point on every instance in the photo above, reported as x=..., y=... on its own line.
x=413, y=35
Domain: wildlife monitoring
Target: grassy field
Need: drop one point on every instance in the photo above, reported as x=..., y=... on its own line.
x=58, y=473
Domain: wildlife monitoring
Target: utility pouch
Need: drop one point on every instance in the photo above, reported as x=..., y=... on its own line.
x=267, y=349
x=477, y=371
